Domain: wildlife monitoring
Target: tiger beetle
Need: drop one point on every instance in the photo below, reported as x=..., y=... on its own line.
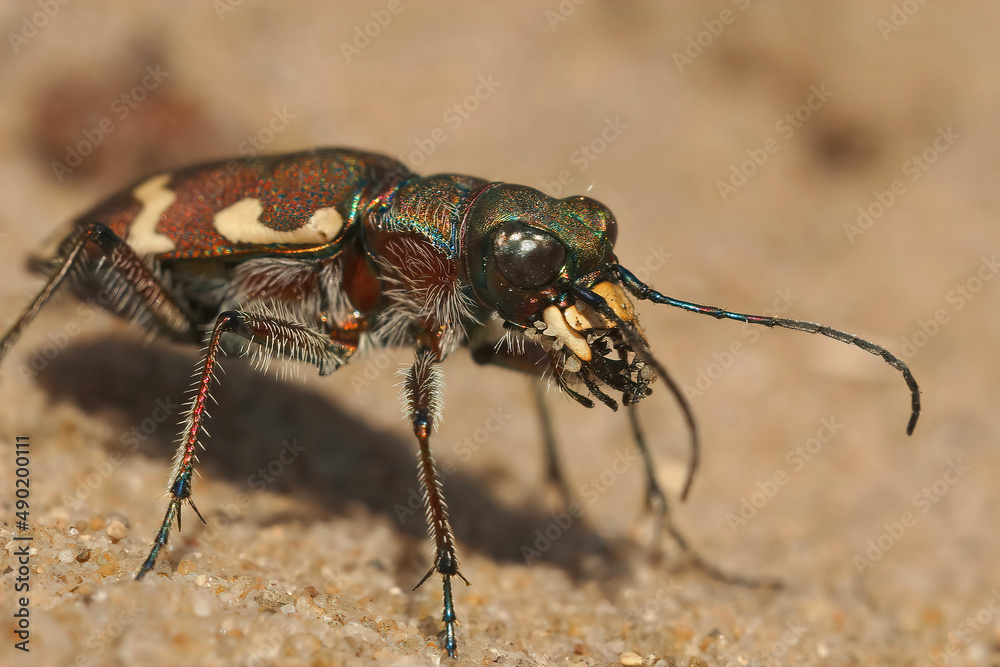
x=315, y=256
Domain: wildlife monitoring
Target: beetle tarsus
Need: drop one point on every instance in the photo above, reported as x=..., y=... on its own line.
x=162, y=535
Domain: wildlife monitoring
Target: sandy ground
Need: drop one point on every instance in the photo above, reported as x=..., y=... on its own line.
x=872, y=205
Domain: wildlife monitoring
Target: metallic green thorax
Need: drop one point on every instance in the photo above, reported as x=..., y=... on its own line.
x=461, y=218
x=430, y=208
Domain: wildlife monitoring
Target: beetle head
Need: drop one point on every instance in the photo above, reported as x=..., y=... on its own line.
x=546, y=267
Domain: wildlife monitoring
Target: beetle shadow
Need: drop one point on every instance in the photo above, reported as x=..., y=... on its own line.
x=342, y=460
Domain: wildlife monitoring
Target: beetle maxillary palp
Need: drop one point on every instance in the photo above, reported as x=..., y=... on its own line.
x=633, y=339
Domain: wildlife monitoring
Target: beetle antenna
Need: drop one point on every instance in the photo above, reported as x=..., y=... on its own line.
x=641, y=349
x=642, y=291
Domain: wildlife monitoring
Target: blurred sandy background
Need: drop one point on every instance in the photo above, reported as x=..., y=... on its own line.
x=314, y=565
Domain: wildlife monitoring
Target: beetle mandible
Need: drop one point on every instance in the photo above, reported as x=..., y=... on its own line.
x=313, y=256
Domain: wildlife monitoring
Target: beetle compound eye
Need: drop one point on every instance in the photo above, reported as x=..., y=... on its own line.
x=527, y=257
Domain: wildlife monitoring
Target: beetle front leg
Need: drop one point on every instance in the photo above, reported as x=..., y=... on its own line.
x=530, y=363
x=657, y=502
x=279, y=337
x=554, y=474
x=423, y=385
x=532, y=360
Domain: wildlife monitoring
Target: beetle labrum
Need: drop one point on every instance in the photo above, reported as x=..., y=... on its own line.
x=314, y=256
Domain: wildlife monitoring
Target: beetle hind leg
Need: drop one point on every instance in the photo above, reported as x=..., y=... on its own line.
x=130, y=284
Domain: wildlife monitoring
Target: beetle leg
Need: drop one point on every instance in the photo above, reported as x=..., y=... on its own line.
x=423, y=385
x=290, y=339
x=553, y=469
x=128, y=272
x=532, y=360
x=656, y=499
x=657, y=502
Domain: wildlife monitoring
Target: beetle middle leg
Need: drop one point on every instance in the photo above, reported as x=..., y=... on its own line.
x=279, y=337
x=422, y=393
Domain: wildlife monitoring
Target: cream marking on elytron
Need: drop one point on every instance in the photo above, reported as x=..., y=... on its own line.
x=240, y=223
x=155, y=199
